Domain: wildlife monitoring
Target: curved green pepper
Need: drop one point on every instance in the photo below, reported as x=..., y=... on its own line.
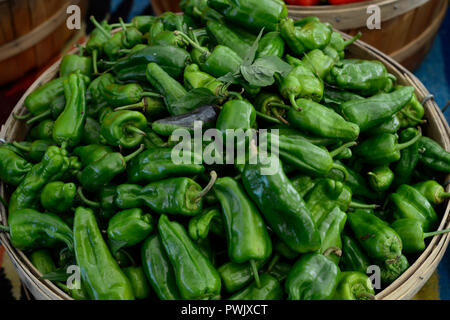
x=43, y=131
x=354, y=285
x=201, y=224
x=117, y=95
x=381, y=178
x=433, y=155
x=36, y=150
x=58, y=196
x=73, y=62
x=433, y=191
x=129, y=227
x=235, y=276
x=392, y=270
x=13, y=168
x=124, y=128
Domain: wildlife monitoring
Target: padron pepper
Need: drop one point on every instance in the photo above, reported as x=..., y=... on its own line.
x=381, y=178
x=36, y=150
x=353, y=258
x=404, y=168
x=194, y=78
x=117, y=95
x=375, y=110
x=379, y=240
x=313, y=277
x=96, y=42
x=91, y=153
x=43, y=261
x=411, y=115
x=124, y=128
x=13, y=168
x=409, y=203
x=354, y=285
x=74, y=62
x=432, y=155
x=282, y=207
x=58, y=196
x=383, y=149
x=269, y=289
x=227, y=37
x=209, y=219
x=271, y=44
x=39, y=100
x=236, y=276
x=391, y=270
x=158, y=269
x=433, y=191
x=322, y=121
x=170, y=196
x=391, y=125
x=100, y=273
x=195, y=276
x=138, y=281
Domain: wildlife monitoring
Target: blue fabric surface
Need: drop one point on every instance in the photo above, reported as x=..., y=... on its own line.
x=434, y=73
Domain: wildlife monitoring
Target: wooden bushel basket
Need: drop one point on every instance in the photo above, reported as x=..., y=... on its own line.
x=404, y=287
x=408, y=27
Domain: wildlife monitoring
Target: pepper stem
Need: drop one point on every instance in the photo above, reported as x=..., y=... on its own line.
x=357, y=205
x=81, y=49
x=4, y=228
x=122, y=24
x=435, y=233
x=21, y=147
x=365, y=295
x=194, y=44
x=134, y=154
x=90, y=203
x=151, y=94
x=116, y=25
x=255, y=272
x=333, y=250
x=134, y=129
x=337, y=151
x=279, y=117
x=441, y=195
x=273, y=262
x=278, y=105
x=410, y=116
x=268, y=118
x=40, y=116
x=207, y=188
x=350, y=41
x=405, y=145
x=94, y=61
x=22, y=117
x=342, y=169
x=293, y=102
x=100, y=27
x=139, y=105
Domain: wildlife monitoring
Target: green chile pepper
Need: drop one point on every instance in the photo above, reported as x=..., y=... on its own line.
x=433, y=191
x=73, y=62
x=303, y=184
x=201, y=224
x=354, y=285
x=282, y=207
x=100, y=273
x=91, y=153
x=271, y=44
x=194, y=78
x=381, y=178
x=236, y=276
x=269, y=289
x=353, y=258
x=318, y=62
x=322, y=121
x=227, y=37
x=43, y=261
x=375, y=110
x=68, y=128
x=138, y=282
x=124, y=128
x=379, y=240
x=158, y=269
x=156, y=164
x=195, y=276
x=391, y=125
x=117, y=95
x=43, y=131
x=36, y=150
x=411, y=115
x=313, y=277
x=432, y=155
x=409, y=159
x=39, y=100
x=410, y=203
x=58, y=196
x=13, y=168
x=330, y=229
x=391, y=271
x=129, y=227
x=236, y=114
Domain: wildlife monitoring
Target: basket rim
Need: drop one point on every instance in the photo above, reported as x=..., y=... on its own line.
x=430, y=257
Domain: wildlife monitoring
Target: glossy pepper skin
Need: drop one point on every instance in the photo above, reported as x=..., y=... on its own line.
x=158, y=269
x=36, y=150
x=68, y=128
x=42, y=131
x=247, y=235
x=43, y=261
x=195, y=276
x=433, y=155
x=375, y=110
x=318, y=62
x=156, y=164
x=313, y=277
x=409, y=159
x=361, y=76
x=91, y=131
x=253, y=14
x=209, y=219
x=73, y=62
x=32, y=229
x=167, y=86
x=138, y=281
x=58, y=196
x=282, y=207
x=353, y=258
x=354, y=285
x=227, y=37
x=433, y=191
x=270, y=289
x=411, y=115
x=102, y=276
x=171, y=59
x=117, y=95
x=95, y=92
x=91, y=153
x=236, y=276
x=381, y=178
x=410, y=203
x=330, y=229
x=236, y=114
x=271, y=44
x=100, y=172
x=39, y=100
x=301, y=82
x=310, y=36
x=322, y=121
x=194, y=78
x=124, y=128
x=53, y=165
x=382, y=149
x=391, y=271
x=379, y=240
x=129, y=227
x=13, y=168
x=391, y=125
x=171, y=196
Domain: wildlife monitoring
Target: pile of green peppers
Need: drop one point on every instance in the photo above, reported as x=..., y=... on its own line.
x=94, y=184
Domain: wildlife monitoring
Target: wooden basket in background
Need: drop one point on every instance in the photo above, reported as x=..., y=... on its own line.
x=31, y=33
x=405, y=287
